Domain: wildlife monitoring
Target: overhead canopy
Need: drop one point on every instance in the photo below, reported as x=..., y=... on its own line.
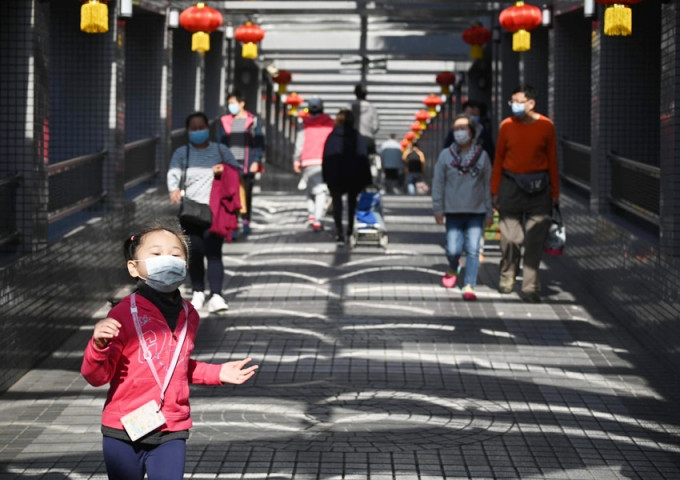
x=395, y=47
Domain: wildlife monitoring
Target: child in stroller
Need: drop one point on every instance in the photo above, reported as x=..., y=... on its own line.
x=369, y=225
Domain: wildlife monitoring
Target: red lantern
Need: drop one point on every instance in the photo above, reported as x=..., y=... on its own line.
x=416, y=128
x=618, y=17
x=444, y=79
x=519, y=19
x=410, y=136
x=249, y=35
x=422, y=116
x=283, y=78
x=404, y=143
x=200, y=20
x=476, y=36
x=432, y=101
x=94, y=16
x=294, y=100
x=304, y=113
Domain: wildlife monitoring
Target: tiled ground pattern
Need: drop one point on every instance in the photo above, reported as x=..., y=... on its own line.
x=369, y=369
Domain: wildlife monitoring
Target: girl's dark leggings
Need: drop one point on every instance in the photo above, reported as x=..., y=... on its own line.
x=126, y=461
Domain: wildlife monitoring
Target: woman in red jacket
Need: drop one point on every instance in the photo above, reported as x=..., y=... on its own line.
x=142, y=349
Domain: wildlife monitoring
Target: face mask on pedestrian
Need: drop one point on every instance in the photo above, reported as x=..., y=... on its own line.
x=199, y=137
x=164, y=273
x=234, y=108
x=461, y=136
x=518, y=109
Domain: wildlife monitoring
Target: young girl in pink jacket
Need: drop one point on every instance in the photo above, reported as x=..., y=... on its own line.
x=142, y=349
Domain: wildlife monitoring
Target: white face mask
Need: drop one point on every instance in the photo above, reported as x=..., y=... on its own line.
x=234, y=108
x=517, y=109
x=164, y=273
x=461, y=136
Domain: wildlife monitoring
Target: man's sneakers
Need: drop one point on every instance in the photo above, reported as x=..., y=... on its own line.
x=450, y=278
x=506, y=285
x=316, y=226
x=340, y=239
x=198, y=300
x=469, y=293
x=216, y=304
x=530, y=297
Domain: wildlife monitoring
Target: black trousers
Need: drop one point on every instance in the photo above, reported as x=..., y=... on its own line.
x=336, y=195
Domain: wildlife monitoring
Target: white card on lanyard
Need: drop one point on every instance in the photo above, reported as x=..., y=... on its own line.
x=148, y=417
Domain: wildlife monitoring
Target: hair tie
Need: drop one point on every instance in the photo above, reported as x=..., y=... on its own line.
x=132, y=238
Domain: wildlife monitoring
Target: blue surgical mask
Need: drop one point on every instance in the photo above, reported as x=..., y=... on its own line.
x=518, y=109
x=234, y=108
x=164, y=273
x=199, y=137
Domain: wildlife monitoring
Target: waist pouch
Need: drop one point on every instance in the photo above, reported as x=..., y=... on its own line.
x=529, y=182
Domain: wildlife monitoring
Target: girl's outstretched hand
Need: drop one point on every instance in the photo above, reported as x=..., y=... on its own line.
x=234, y=372
x=104, y=331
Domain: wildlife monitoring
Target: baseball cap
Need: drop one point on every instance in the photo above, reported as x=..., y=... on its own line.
x=315, y=105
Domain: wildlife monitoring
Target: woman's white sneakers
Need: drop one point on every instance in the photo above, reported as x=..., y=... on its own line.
x=198, y=300
x=216, y=304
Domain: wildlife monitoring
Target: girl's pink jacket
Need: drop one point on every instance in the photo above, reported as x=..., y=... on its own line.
x=122, y=365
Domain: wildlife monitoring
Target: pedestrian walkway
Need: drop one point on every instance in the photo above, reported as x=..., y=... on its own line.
x=370, y=369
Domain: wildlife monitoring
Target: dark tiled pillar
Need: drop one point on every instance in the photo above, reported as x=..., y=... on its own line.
x=670, y=124
x=625, y=98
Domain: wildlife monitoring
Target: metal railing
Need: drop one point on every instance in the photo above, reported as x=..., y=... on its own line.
x=140, y=161
x=8, y=209
x=635, y=187
x=575, y=163
x=75, y=185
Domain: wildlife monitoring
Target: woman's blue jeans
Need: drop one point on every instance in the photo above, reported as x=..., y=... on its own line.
x=463, y=233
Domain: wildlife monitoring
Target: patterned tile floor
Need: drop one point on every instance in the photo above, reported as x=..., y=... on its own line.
x=369, y=369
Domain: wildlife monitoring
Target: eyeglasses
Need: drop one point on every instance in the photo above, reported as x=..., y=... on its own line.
x=510, y=102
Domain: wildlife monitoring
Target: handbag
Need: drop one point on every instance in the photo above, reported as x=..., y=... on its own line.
x=530, y=182
x=190, y=211
x=556, y=238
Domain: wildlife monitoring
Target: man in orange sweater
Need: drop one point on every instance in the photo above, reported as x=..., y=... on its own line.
x=524, y=187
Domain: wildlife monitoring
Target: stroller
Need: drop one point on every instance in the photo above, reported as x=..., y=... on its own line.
x=369, y=226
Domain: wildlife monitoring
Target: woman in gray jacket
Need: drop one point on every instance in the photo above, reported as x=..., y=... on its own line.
x=461, y=198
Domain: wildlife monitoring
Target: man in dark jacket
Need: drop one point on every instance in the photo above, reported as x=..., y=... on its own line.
x=345, y=169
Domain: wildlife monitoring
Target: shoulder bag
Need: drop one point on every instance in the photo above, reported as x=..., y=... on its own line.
x=190, y=211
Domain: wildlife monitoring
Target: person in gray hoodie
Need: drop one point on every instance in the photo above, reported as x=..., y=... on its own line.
x=461, y=199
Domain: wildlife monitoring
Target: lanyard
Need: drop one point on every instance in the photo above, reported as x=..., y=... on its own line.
x=147, y=354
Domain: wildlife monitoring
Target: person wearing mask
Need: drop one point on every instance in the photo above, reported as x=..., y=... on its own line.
x=308, y=157
x=414, y=159
x=475, y=110
x=366, y=120
x=192, y=170
x=392, y=164
x=241, y=131
x=461, y=199
x=346, y=169
x=524, y=188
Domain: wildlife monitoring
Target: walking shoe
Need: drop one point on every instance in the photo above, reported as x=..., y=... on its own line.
x=216, y=304
x=311, y=219
x=340, y=239
x=506, y=285
x=198, y=300
x=469, y=293
x=316, y=226
x=246, y=227
x=531, y=297
x=449, y=280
